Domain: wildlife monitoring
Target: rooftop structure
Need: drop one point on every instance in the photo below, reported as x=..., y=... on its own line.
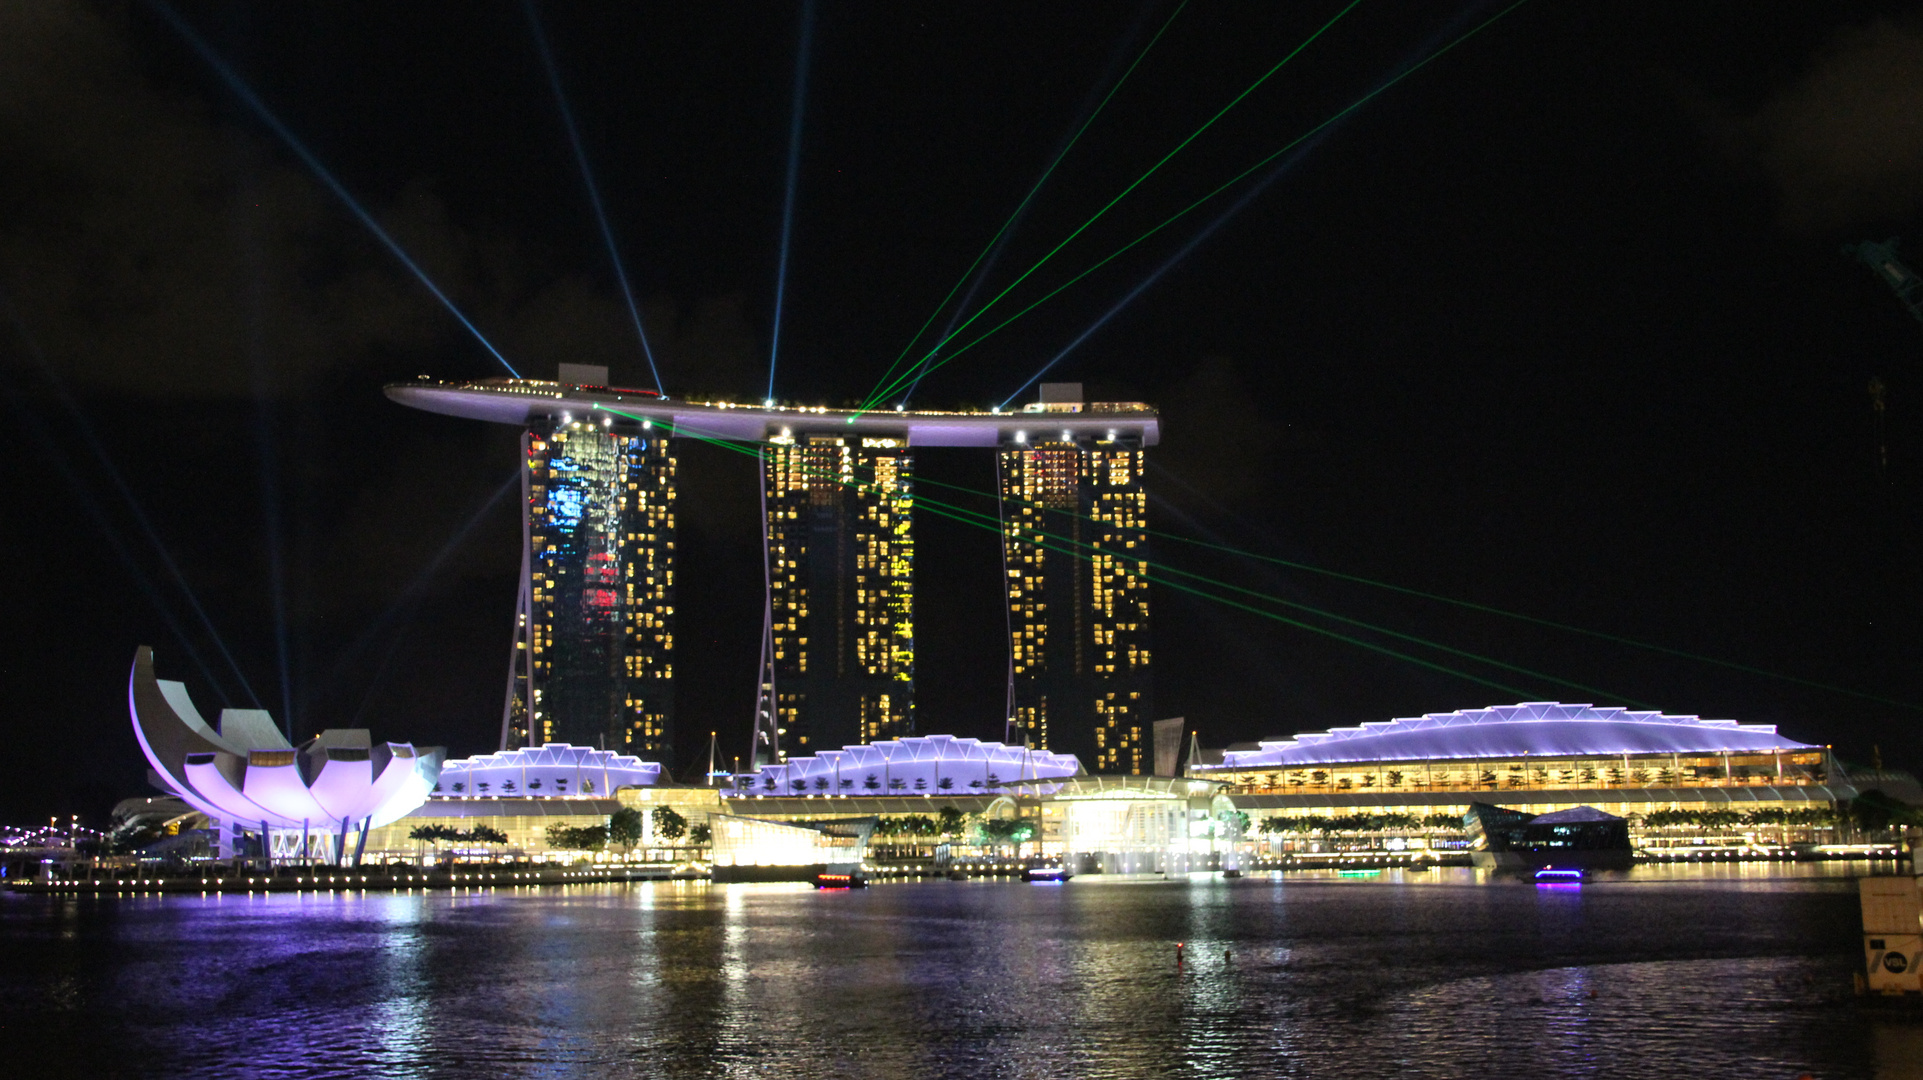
x=551, y=770
x=537, y=403
x=1531, y=729
x=928, y=764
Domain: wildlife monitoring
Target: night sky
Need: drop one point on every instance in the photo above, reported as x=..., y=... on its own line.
x=1560, y=325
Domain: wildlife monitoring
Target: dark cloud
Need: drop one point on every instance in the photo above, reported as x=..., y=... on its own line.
x=1843, y=144
x=130, y=249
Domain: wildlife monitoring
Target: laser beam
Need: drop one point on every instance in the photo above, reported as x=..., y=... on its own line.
x=253, y=101
x=410, y=597
x=991, y=251
x=270, y=501
x=587, y=178
x=1196, y=584
x=1169, y=264
x=133, y=507
x=1137, y=182
x=1467, y=605
x=794, y=170
x=1231, y=182
x=1288, y=163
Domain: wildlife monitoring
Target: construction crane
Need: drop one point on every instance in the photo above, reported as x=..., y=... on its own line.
x=1882, y=258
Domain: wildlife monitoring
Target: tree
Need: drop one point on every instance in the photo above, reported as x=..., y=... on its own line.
x=434, y=834
x=871, y=782
x=1009, y=831
x=1874, y=811
x=701, y=835
x=945, y=783
x=573, y=838
x=482, y=834
x=624, y=827
x=950, y=820
x=669, y=825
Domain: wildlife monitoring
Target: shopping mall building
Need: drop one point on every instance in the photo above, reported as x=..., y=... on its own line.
x=1541, y=757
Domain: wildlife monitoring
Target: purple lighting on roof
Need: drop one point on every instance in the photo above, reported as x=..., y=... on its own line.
x=1531, y=729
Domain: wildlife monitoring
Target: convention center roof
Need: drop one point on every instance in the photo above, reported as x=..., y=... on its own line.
x=555, y=769
x=917, y=763
x=1531, y=729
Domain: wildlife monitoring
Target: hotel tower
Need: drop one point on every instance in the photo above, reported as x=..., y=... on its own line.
x=593, y=649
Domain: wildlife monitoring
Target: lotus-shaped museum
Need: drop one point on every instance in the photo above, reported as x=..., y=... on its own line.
x=248, y=775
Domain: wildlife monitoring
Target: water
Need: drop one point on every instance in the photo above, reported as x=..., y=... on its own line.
x=1725, y=971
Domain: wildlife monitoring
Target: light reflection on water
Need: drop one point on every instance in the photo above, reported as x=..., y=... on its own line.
x=1671, y=971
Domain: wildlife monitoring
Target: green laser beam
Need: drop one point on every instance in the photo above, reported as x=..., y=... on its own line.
x=1026, y=199
x=1151, y=567
x=1521, y=695
x=1054, y=541
x=1357, y=579
x=928, y=364
x=1138, y=182
x=1471, y=605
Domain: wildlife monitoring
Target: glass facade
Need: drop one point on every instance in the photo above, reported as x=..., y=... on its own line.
x=841, y=557
x=1074, y=534
x=595, y=652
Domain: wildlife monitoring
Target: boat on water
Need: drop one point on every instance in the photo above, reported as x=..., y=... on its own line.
x=1561, y=875
x=850, y=877
x=1045, y=869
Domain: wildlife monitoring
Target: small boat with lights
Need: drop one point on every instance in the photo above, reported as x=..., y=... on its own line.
x=1046, y=870
x=1561, y=875
x=840, y=877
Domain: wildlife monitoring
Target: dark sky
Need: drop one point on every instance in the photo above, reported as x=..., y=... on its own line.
x=1561, y=325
